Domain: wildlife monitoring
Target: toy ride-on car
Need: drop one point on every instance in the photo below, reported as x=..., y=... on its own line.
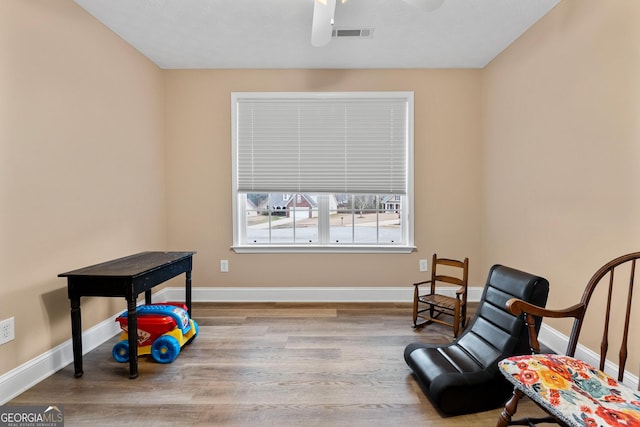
x=162, y=331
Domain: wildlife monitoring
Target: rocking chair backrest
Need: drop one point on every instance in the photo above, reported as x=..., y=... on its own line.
x=607, y=274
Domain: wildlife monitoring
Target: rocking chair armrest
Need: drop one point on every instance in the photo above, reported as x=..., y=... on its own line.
x=517, y=306
x=424, y=282
x=461, y=290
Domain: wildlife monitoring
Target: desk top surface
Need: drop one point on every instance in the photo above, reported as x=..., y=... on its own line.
x=130, y=266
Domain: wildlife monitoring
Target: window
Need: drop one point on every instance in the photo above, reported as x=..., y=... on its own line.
x=322, y=171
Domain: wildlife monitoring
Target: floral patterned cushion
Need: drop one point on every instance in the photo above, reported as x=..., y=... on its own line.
x=573, y=391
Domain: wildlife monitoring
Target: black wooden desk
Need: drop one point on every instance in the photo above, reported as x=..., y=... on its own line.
x=124, y=277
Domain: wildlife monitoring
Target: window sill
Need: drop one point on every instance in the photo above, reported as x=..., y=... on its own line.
x=303, y=249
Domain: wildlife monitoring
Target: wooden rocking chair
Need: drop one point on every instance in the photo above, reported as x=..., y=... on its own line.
x=433, y=303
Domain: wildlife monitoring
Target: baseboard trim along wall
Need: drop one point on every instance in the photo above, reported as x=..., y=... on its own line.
x=32, y=372
x=306, y=294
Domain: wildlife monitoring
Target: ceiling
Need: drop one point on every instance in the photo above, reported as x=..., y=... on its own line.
x=178, y=34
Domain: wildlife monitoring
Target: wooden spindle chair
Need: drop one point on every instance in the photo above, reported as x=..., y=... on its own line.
x=571, y=391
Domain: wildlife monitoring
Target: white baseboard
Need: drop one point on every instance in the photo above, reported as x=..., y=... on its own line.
x=305, y=294
x=32, y=372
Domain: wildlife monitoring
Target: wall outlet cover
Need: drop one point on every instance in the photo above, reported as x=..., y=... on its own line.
x=7, y=332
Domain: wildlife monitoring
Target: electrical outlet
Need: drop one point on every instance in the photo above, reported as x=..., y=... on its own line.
x=423, y=265
x=7, y=332
x=224, y=265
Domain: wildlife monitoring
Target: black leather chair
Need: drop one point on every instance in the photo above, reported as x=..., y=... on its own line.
x=462, y=377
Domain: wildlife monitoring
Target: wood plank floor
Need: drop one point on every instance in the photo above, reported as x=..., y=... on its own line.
x=266, y=364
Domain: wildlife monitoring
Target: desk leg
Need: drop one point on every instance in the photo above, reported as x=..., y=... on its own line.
x=76, y=336
x=147, y=297
x=188, y=292
x=132, y=319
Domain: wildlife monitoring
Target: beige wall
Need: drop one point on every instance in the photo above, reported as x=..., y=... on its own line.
x=81, y=164
x=561, y=147
x=447, y=191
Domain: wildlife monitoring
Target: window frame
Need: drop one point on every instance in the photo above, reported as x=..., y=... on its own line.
x=238, y=208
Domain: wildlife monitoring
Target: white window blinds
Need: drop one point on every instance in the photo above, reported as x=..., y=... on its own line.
x=322, y=142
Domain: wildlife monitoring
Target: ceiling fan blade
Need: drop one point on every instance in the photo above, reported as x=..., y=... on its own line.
x=427, y=5
x=322, y=25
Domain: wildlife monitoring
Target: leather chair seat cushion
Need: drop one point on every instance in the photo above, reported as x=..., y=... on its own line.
x=454, y=381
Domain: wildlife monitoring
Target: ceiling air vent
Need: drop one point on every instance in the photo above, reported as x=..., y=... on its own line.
x=363, y=33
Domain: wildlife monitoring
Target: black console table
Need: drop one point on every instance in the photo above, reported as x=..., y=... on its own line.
x=124, y=277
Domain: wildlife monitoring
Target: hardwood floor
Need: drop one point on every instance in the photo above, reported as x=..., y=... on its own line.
x=275, y=364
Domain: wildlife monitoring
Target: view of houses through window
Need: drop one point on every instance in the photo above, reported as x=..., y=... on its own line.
x=278, y=218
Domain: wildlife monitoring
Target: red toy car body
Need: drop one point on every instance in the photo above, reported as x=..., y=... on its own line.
x=163, y=329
